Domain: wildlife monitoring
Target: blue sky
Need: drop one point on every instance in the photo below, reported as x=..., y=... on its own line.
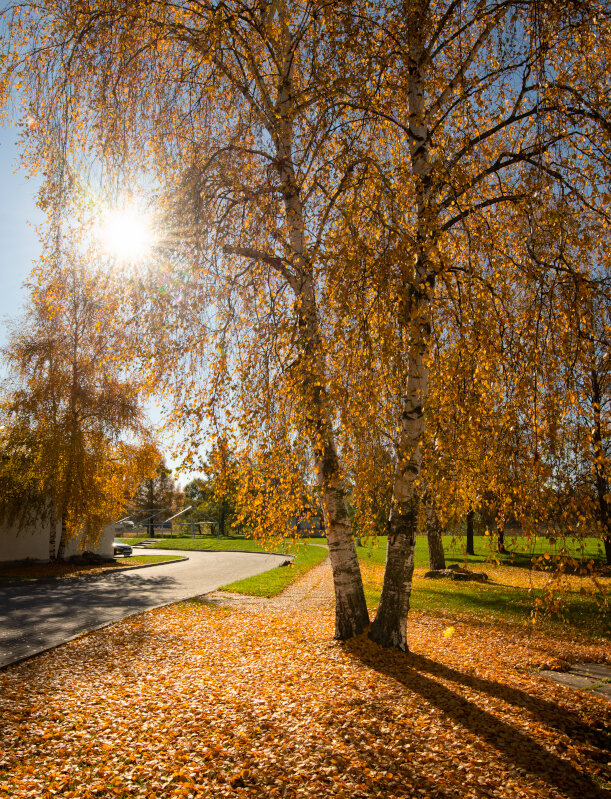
x=18, y=217
x=20, y=246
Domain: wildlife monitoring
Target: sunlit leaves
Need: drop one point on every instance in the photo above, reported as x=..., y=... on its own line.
x=431, y=201
x=196, y=701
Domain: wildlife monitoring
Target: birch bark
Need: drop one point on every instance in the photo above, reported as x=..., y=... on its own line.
x=52, y=534
x=602, y=484
x=390, y=624
x=351, y=616
x=61, y=550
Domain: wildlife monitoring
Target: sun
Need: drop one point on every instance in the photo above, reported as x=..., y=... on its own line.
x=127, y=234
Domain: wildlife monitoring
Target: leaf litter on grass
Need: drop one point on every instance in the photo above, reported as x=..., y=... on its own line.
x=256, y=699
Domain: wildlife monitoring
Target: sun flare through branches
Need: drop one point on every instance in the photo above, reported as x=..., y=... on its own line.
x=127, y=234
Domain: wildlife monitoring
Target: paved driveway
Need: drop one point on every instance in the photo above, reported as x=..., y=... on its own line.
x=37, y=616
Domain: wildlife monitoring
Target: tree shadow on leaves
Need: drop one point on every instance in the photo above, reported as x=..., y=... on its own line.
x=548, y=712
x=514, y=744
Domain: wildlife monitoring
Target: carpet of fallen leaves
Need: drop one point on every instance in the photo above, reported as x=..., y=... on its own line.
x=256, y=699
x=36, y=571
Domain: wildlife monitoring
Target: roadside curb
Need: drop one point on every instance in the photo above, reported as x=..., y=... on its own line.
x=84, y=577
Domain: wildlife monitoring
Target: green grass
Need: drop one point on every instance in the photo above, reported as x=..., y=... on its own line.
x=495, y=601
x=210, y=543
x=271, y=583
x=580, y=614
x=520, y=551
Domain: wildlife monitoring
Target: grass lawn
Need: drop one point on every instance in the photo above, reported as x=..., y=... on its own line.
x=271, y=583
x=512, y=592
x=520, y=551
x=142, y=560
x=211, y=542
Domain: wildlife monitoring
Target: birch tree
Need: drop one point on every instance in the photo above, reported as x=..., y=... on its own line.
x=318, y=153
x=475, y=109
x=232, y=105
x=74, y=442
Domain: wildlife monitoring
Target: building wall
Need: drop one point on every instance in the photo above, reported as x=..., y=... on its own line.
x=32, y=541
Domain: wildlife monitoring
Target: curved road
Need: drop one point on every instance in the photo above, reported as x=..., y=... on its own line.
x=36, y=616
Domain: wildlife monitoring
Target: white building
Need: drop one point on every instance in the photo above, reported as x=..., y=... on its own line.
x=32, y=542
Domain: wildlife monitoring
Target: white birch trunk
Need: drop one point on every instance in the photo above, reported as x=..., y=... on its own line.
x=61, y=550
x=351, y=616
x=52, y=534
x=390, y=625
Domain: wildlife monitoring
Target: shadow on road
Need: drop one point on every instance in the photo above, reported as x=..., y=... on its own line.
x=37, y=616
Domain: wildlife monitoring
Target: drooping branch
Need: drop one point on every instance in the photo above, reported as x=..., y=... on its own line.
x=279, y=264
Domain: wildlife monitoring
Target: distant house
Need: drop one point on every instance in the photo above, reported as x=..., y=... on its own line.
x=311, y=524
x=313, y=527
x=31, y=541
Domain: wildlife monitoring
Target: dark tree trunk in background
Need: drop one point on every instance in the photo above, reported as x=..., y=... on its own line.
x=470, y=547
x=222, y=518
x=602, y=484
x=501, y=542
x=433, y=534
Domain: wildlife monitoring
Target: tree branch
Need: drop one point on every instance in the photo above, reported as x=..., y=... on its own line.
x=274, y=261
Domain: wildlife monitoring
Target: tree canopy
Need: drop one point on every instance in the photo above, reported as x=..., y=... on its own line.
x=74, y=440
x=382, y=227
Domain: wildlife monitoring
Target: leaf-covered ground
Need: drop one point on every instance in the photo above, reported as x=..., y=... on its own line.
x=255, y=699
x=61, y=570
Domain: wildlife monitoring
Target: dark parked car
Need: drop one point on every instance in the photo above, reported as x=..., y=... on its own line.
x=121, y=549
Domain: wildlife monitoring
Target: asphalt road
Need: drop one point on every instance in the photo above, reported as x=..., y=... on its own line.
x=36, y=616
